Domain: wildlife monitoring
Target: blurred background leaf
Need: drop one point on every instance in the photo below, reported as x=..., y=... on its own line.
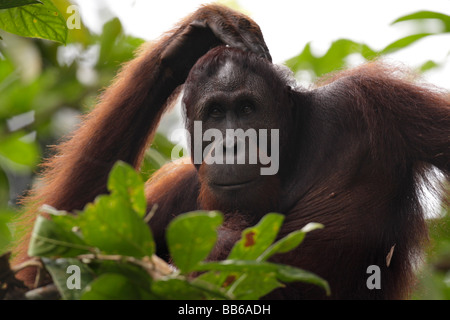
x=334, y=59
x=422, y=15
x=434, y=274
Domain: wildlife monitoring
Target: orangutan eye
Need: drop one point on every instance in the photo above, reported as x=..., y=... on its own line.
x=215, y=112
x=247, y=108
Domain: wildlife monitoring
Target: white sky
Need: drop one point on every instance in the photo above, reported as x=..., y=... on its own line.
x=288, y=25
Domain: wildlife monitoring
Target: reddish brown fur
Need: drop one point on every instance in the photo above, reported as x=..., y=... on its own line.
x=362, y=142
x=122, y=123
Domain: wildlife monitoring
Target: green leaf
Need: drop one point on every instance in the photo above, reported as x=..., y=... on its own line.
x=114, y=223
x=286, y=244
x=289, y=242
x=4, y=189
x=135, y=276
x=6, y=217
x=334, y=59
x=290, y=274
x=191, y=237
x=155, y=157
x=404, y=42
x=50, y=239
x=254, y=280
x=36, y=20
x=255, y=240
x=112, y=226
x=163, y=145
x=112, y=286
x=419, y=15
x=66, y=273
x=181, y=289
x=125, y=182
x=430, y=64
x=282, y=272
x=132, y=272
x=6, y=4
x=254, y=243
x=16, y=153
x=218, y=279
x=152, y=162
x=111, y=30
x=254, y=285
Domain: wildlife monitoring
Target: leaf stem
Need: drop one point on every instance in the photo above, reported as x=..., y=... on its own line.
x=155, y=266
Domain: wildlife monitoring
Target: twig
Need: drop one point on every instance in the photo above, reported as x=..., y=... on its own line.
x=49, y=292
x=29, y=263
x=155, y=266
x=151, y=213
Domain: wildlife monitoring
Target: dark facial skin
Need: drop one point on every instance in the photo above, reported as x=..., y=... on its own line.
x=233, y=98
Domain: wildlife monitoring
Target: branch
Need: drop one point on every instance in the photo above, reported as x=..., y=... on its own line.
x=154, y=266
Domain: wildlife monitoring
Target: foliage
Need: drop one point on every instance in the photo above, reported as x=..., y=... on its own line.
x=112, y=235
x=337, y=55
x=334, y=59
x=434, y=275
x=418, y=16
